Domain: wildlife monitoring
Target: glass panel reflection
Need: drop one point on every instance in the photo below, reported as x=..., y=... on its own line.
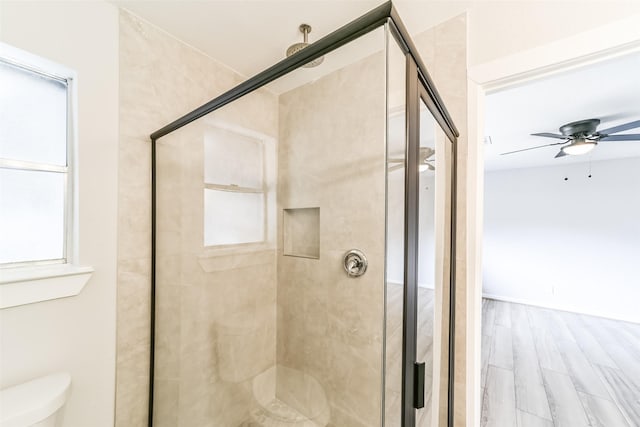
x=396, y=154
x=426, y=258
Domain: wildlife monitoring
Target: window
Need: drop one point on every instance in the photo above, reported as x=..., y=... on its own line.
x=35, y=184
x=235, y=190
x=37, y=260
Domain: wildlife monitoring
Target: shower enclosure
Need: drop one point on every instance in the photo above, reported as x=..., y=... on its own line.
x=303, y=244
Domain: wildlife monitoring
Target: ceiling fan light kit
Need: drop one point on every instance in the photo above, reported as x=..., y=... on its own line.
x=580, y=146
x=582, y=136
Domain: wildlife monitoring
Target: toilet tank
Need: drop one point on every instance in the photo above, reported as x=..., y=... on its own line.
x=36, y=403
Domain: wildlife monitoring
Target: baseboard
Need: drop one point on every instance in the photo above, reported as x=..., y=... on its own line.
x=420, y=284
x=561, y=307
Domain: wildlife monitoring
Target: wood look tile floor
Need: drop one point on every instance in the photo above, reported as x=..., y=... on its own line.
x=548, y=368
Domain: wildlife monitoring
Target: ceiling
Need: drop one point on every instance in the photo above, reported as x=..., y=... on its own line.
x=608, y=90
x=250, y=36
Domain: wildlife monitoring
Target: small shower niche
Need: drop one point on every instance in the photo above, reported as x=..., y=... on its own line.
x=301, y=232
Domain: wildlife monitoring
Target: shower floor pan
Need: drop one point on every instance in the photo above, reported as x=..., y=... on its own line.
x=278, y=414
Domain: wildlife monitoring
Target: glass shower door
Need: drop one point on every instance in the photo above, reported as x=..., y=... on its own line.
x=262, y=318
x=419, y=186
x=434, y=266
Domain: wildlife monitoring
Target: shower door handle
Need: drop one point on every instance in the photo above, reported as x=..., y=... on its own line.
x=418, y=384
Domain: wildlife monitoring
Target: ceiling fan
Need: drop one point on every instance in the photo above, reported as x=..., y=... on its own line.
x=425, y=160
x=582, y=136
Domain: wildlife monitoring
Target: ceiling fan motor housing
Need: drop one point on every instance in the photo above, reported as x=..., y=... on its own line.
x=580, y=128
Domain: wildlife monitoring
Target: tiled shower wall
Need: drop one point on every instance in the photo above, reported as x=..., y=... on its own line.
x=332, y=156
x=444, y=51
x=216, y=308
x=161, y=79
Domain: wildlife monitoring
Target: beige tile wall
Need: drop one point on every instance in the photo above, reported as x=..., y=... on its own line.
x=161, y=78
x=444, y=51
x=216, y=316
x=331, y=155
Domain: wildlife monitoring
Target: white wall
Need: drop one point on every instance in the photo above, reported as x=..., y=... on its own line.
x=75, y=334
x=395, y=233
x=501, y=28
x=572, y=245
x=395, y=226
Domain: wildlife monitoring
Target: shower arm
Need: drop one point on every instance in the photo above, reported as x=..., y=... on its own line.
x=305, y=29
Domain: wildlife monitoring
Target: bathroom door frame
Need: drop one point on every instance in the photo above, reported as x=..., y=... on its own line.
x=418, y=89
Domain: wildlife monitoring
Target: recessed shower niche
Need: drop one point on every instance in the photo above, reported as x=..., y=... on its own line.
x=301, y=232
x=248, y=331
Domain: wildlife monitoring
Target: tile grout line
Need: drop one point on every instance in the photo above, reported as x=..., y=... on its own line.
x=535, y=348
x=513, y=363
x=582, y=404
x=612, y=396
x=491, y=347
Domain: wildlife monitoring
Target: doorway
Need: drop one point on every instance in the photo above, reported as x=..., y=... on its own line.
x=558, y=332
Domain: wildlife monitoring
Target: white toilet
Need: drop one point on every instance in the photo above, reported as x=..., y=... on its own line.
x=37, y=403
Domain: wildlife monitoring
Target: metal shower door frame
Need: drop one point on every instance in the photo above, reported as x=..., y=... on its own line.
x=417, y=90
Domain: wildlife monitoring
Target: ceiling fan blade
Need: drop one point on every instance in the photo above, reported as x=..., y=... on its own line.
x=620, y=128
x=533, y=148
x=627, y=137
x=560, y=154
x=549, y=135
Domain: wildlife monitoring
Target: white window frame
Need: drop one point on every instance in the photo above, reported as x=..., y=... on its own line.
x=27, y=282
x=269, y=167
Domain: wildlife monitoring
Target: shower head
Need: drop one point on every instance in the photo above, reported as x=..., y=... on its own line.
x=305, y=29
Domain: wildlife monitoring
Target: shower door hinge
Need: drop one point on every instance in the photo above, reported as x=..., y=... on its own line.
x=418, y=381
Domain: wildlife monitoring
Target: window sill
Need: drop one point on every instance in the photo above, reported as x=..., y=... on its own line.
x=27, y=285
x=230, y=258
